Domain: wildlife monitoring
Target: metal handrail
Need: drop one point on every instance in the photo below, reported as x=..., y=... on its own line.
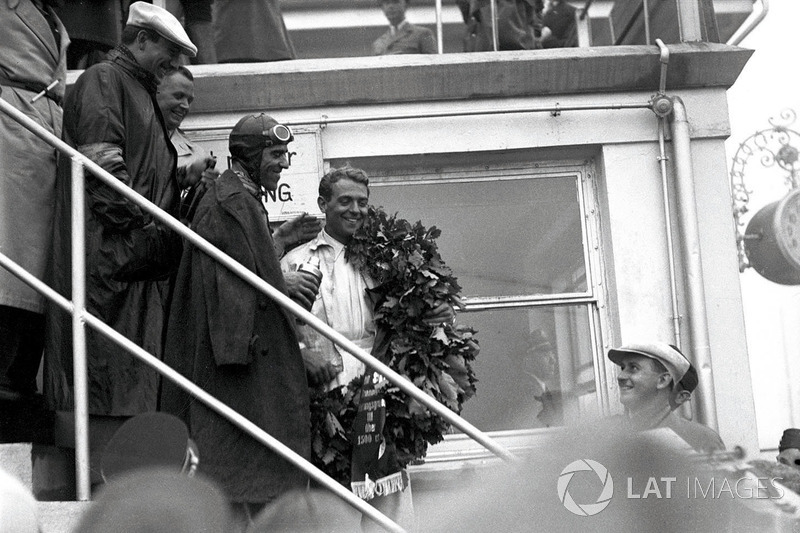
x=79, y=160
x=234, y=417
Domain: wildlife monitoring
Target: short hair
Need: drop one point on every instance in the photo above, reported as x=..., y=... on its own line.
x=183, y=71
x=689, y=380
x=343, y=173
x=130, y=32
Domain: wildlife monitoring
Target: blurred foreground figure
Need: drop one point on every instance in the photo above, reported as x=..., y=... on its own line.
x=158, y=501
x=306, y=511
x=598, y=479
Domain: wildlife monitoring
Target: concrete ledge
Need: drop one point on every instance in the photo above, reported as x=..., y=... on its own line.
x=60, y=517
x=16, y=460
x=415, y=78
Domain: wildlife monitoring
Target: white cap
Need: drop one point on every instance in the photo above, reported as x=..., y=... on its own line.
x=673, y=360
x=162, y=22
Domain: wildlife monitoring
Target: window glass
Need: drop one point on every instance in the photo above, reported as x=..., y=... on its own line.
x=535, y=367
x=507, y=236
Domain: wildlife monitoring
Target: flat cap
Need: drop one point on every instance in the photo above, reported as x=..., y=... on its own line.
x=673, y=360
x=161, y=21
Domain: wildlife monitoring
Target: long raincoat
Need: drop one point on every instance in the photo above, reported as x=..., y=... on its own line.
x=241, y=347
x=30, y=59
x=111, y=116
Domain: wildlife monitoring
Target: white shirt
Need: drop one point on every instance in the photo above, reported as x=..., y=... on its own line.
x=342, y=303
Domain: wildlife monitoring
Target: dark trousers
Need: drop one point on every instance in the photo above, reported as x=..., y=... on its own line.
x=23, y=416
x=21, y=345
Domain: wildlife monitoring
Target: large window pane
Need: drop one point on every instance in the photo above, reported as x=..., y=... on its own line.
x=535, y=368
x=503, y=236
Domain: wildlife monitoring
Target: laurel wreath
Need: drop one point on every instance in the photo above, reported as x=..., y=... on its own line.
x=411, y=278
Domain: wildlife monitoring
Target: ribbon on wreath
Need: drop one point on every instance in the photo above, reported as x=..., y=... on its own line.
x=374, y=467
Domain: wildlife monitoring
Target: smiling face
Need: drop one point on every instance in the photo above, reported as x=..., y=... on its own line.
x=175, y=95
x=274, y=160
x=642, y=383
x=346, y=210
x=158, y=56
x=395, y=11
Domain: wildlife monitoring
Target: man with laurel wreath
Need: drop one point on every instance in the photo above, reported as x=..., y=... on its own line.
x=343, y=303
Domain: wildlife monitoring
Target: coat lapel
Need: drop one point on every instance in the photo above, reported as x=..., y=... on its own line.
x=233, y=197
x=34, y=19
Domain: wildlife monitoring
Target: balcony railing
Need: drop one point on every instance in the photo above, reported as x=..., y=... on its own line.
x=81, y=318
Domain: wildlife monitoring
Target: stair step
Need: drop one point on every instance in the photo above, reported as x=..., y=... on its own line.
x=60, y=517
x=16, y=460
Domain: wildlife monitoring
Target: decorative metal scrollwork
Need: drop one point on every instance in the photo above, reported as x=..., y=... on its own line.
x=775, y=146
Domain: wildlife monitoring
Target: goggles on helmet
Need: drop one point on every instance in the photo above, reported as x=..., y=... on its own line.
x=279, y=134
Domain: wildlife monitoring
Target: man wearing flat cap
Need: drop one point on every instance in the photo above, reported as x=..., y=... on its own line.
x=654, y=379
x=112, y=117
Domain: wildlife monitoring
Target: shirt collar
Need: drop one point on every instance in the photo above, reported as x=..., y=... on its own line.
x=325, y=239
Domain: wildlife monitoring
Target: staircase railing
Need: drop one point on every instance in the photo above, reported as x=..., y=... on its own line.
x=81, y=317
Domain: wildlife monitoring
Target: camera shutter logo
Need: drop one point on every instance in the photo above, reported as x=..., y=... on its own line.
x=585, y=509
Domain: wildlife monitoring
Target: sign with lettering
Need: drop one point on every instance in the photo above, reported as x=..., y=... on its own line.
x=297, y=189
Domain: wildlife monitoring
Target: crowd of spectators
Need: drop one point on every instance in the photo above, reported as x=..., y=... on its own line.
x=235, y=31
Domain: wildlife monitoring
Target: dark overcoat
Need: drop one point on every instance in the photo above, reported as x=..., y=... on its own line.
x=240, y=346
x=111, y=116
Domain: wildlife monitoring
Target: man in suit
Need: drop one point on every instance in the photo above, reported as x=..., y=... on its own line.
x=402, y=36
x=540, y=367
x=33, y=67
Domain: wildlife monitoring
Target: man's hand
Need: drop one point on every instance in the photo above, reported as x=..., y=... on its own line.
x=298, y=230
x=320, y=371
x=301, y=287
x=199, y=170
x=443, y=313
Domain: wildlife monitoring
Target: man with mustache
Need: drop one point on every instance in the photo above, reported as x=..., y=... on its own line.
x=235, y=342
x=654, y=379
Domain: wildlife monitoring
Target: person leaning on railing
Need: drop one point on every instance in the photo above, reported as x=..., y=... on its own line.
x=32, y=73
x=110, y=116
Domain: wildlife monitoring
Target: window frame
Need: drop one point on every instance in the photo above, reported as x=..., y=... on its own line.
x=458, y=450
